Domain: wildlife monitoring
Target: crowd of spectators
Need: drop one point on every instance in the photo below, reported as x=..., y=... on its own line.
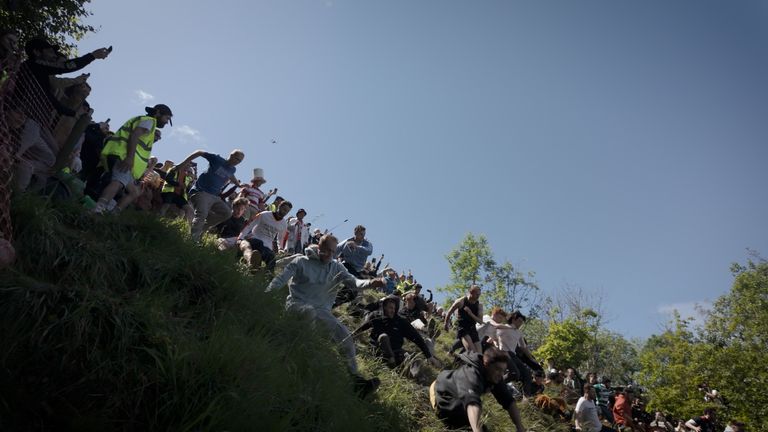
x=54, y=137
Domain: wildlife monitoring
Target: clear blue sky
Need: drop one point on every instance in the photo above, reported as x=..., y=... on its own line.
x=614, y=145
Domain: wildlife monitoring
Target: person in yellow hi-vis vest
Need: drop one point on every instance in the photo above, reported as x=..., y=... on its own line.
x=126, y=154
x=175, y=193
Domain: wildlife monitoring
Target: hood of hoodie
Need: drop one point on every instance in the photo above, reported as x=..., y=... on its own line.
x=389, y=298
x=313, y=252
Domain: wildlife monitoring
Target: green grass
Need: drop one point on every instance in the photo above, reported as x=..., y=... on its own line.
x=121, y=323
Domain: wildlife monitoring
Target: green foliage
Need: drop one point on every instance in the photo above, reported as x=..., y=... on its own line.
x=565, y=341
x=58, y=20
x=121, y=323
x=473, y=263
x=728, y=353
x=670, y=370
x=613, y=356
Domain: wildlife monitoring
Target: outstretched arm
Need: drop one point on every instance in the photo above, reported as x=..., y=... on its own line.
x=280, y=280
x=453, y=308
x=196, y=154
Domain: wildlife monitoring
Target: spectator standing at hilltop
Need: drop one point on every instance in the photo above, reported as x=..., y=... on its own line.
x=44, y=60
x=259, y=238
x=210, y=209
x=257, y=199
x=90, y=156
x=126, y=154
x=293, y=241
x=312, y=279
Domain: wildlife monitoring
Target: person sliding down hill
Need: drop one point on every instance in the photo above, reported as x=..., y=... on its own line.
x=455, y=395
x=389, y=330
x=312, y=281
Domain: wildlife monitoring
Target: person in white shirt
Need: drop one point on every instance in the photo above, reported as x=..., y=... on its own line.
x=293, y=242
x=258, y=239
x=510, y=339
x=585, y=414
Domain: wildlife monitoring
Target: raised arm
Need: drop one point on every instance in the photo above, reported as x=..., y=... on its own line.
x=196, y=154
x=452, y=309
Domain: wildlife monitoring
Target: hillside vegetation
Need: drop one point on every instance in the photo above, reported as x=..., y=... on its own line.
x=121, y=323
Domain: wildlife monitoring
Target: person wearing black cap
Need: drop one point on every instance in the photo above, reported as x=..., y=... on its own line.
x=126, y=154
x=44, y=60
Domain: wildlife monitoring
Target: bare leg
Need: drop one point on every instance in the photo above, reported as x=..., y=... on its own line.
x=252, y=258
x=469, y=346
x=133, y=192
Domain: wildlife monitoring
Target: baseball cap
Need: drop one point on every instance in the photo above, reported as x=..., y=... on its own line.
x=162, y=109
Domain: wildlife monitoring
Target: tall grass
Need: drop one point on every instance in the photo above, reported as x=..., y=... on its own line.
x=120, y=323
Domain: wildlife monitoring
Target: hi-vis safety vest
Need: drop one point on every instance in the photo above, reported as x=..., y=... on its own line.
x=182, y=188
x=117, y=145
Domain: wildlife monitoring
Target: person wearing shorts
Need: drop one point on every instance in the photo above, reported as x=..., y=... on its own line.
x=470, y=312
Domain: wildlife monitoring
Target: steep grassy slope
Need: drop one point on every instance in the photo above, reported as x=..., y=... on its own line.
x=121, y=323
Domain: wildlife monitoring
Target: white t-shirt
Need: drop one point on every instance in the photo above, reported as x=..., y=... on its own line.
x=146, y=124
x=586, y=416
x=509, y=338
x=265, y=228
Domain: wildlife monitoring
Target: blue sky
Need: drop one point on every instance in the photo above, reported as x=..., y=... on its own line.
x=617, y=146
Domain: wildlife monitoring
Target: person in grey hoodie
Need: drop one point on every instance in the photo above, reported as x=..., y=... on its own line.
x=312, y=281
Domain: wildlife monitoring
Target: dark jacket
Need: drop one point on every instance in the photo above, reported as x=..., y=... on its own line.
x=42, y=69
x=459, y=388
x=397, y=328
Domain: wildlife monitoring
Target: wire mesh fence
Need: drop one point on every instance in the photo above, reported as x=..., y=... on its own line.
x=27, y=145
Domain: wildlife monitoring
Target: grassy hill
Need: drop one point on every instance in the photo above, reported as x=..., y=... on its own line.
x=121, y=323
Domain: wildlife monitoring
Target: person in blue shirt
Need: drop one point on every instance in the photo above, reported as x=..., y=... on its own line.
x=210, y=209
x=354, y=251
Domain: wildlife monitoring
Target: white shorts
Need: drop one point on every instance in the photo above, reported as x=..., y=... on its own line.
x=124, y=177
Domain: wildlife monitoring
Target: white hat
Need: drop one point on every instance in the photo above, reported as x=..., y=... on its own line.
x=258, y=173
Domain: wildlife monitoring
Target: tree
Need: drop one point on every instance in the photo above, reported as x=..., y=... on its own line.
x=671, y=368
x=473, y=263
x=617, y=357
x=511, y=289
x=565, y=341
x=729, y=353
x=57, y=20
